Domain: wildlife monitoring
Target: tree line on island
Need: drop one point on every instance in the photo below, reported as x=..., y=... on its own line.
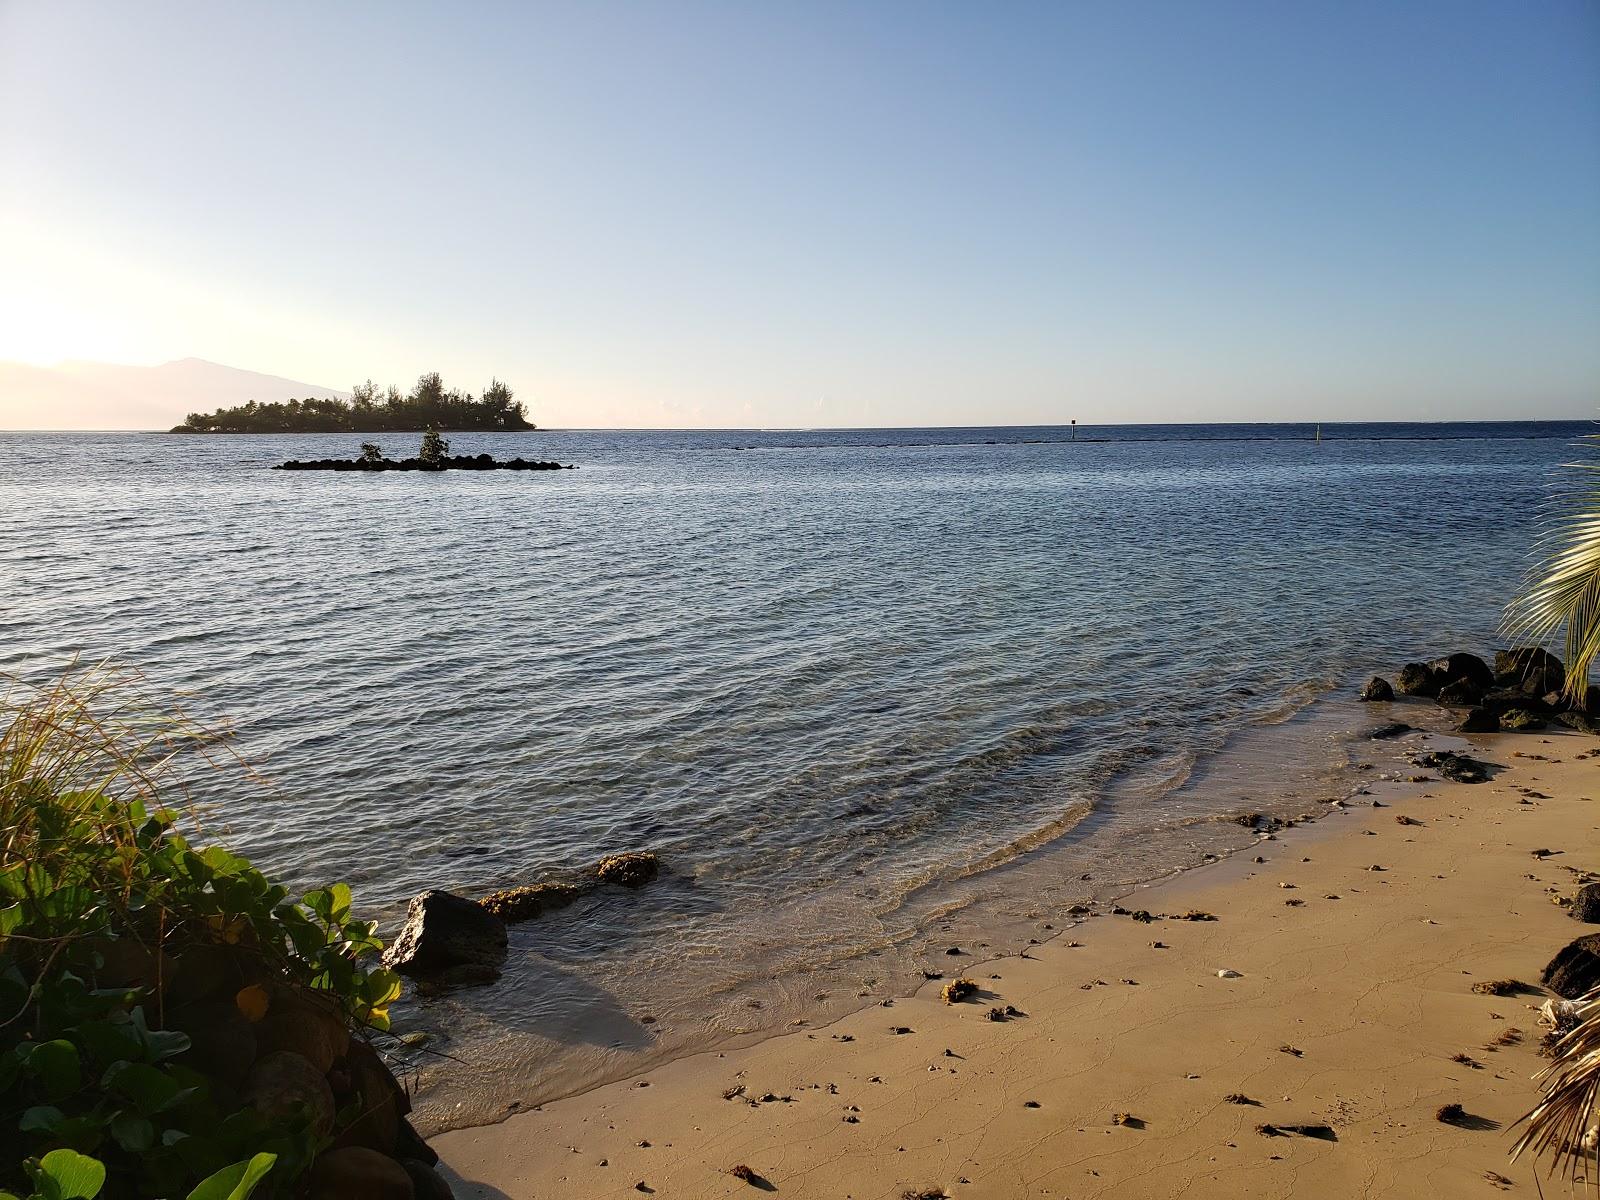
x=429, y=405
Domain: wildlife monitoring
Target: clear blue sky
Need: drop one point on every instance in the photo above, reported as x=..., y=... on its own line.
x=821, y=214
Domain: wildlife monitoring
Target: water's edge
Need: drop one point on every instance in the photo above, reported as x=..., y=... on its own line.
x=998, y=910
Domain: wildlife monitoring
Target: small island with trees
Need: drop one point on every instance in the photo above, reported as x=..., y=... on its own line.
x=429, y=405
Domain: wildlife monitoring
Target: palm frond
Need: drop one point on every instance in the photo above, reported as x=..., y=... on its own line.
x=1562, y=593
x=1559, y=1124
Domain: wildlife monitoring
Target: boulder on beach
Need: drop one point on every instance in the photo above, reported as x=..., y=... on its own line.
x=356, y=1173
x=1521, y=718
x=443, y=932
x=1529, y=669
x=628, y=870
x=1502, y=700
x=1576, y=969
x=283, y=1084
x=1461, y=693
x=426, y=1183
x=1586, y=904
x=1454, y=668
x=1377, y=688
x=1480, y=720
x=1458, y=768
x=1418, y=679
x=1588, y=722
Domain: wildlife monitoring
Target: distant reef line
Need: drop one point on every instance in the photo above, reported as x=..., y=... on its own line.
x=429, y=405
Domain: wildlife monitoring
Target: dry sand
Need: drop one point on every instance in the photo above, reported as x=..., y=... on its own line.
x=1354, y=992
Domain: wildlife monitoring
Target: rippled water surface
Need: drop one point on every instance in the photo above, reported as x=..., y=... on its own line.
x=855, y=688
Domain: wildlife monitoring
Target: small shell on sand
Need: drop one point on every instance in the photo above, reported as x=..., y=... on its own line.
x=1228, y=973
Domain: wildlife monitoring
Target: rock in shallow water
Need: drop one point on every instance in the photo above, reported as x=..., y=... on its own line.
x=445, y=932
x=1461, y=694
x=1377, y=688
x=1529, y=669
x=1457, y=668
x=1418, y=679
x=629, y=870
x=525, y=903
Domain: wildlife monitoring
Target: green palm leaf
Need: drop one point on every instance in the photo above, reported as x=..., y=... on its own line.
x=1562, y=593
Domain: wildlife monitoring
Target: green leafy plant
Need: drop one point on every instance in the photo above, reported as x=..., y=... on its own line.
x=1562, y=594
x=120, y=939
x=371, y=452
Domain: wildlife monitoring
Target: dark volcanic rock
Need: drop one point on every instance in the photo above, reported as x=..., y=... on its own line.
x=426, y=1183
x=1576, y=969
x=629, y=870
x=1588, y=722
x=1479, y=720
x=525, y=903
x=1501, y=700
x=1462, y=693
x=1377, y=688
x=1469, y=667
x=462, y=462
x=283, y=1084
x=357, y=1173
x=1521, y=718
x=1586, y=904
x=1529, y=669
x=1456, y=767
x=1392, y=730
x=1418, y=679
x=444, y=931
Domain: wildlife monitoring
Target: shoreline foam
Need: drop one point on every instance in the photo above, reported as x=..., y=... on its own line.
x=1368, y=987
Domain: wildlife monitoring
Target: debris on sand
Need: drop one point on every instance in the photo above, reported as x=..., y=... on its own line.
x=1128, y=1119
x=1466, y=1060
x=753, y=1178
x=958, y=990
x=1500, y=987
x=1450, y=1114
x=1456, y=767
x=1238, y=1098
x=1325, y=1132
x=1196, y=914
x=1288, y=1049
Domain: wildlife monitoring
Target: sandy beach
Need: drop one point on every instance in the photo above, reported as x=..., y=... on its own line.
x=1113, y=1060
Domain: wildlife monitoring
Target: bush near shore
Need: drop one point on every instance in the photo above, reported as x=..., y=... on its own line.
x=172, y=1022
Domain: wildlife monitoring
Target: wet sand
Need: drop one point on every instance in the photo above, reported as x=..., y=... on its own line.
x=1357, y=940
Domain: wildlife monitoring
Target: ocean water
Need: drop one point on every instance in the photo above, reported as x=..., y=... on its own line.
x=868, y=693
